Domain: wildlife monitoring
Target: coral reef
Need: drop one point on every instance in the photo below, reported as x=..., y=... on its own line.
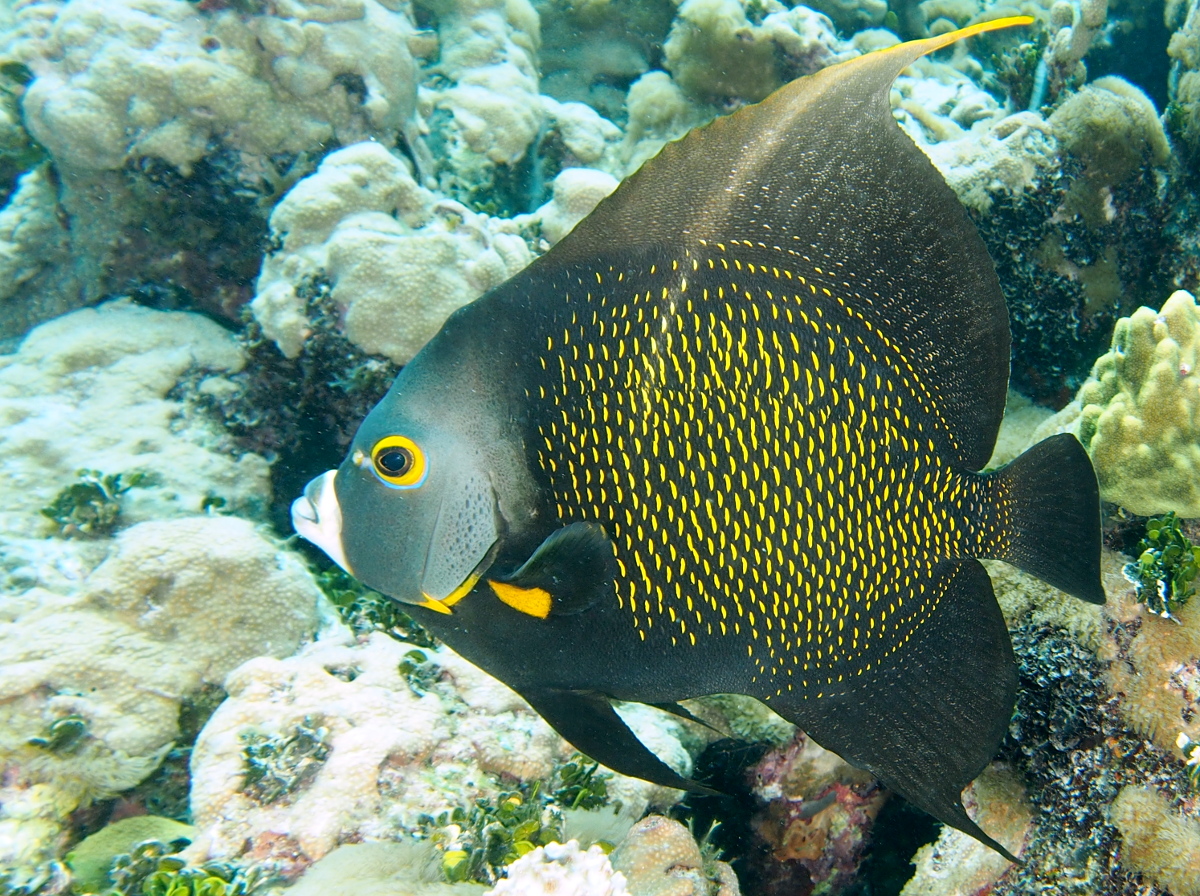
x=117, y=656
x=396, y=258
x=406, y=739
x=104, y=378
x=659, y=857
x=164, y=79
x=175, y=119
x=956, y=863
x=1154, y=662
x=814, y=821
x=482, y=103
x=725, y=51
x=1137, y=410
x=381, y=868
x=562, y=869
x=331, y=179
x=91, y=860
x=1157, y=841
x=1184, y=111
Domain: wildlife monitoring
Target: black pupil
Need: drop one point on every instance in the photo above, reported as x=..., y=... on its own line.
x=394, y=461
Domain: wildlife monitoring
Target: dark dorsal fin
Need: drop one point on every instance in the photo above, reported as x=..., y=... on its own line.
x=821, y=170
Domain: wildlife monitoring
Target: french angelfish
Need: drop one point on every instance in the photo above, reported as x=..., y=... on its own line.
x=724, y=438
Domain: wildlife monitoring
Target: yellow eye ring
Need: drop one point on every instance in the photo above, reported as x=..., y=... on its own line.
x=398, y=462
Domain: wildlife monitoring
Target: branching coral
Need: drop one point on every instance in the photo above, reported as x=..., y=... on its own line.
x=1141, y=411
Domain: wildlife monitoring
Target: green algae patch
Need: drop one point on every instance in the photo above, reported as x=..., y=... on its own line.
x=91, y=860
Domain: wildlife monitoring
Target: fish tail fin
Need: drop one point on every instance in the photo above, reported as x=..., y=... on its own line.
x=1045, y=517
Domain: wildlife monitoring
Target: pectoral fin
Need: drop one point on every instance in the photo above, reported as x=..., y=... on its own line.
x=569, y=572
x=593, y=727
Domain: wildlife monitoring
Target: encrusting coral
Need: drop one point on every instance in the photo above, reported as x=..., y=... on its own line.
x=173, y=123
x=1140, y=411
x=163, y=79
x=660, y=857
x=406, y=739
x=177, y=604
x=723, y=50
x=104, y=378
x=1184, y=83
x=398, y=259
x=562, y=869
x=1157, y=841
x=1154, y=663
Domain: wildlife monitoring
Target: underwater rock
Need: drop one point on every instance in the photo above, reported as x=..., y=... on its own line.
x=1157, y=840
x=104, y=378
x=94, y=677
x=562, y=869
x=400, y=742
x=1154, y=664
x=659, y=857
x=956, y=865
x=1138, y=411
x=397, y=258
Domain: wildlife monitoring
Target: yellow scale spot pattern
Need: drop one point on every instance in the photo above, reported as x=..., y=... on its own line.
x=762, y=457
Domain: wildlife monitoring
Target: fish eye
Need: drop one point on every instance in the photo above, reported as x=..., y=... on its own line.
x=399, y=462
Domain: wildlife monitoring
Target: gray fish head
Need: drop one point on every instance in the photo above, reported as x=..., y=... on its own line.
x=410, y=512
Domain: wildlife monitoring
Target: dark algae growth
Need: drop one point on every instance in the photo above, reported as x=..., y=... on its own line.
x=723, y=438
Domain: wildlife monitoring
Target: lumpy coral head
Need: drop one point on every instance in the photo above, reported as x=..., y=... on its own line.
x=1140, y=405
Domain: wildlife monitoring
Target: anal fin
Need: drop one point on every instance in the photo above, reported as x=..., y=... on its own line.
x=593, y=727
x=928, y=719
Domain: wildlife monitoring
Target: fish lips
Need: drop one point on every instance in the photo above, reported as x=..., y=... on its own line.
x=317, y=517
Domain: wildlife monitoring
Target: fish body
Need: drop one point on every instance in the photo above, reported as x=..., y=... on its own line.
x=725, y=438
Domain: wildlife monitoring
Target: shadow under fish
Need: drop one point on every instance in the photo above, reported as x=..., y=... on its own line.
x=723, y=438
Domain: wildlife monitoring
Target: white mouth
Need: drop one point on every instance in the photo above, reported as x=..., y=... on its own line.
x=317, y=517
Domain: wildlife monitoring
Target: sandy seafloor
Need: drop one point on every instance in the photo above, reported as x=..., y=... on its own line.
x=226, y=224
